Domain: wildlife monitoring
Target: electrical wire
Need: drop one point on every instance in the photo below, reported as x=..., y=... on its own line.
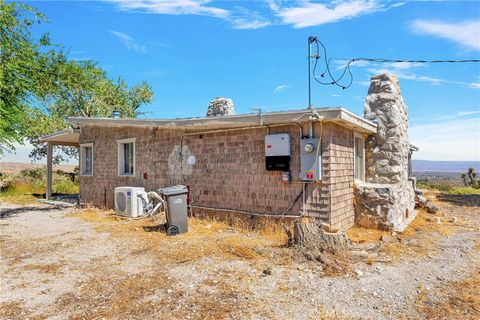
x=347, y=71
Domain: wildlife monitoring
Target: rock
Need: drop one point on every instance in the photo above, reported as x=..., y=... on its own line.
x=388, y=194
x=453, y=220
x=431, y=208
x=267, y=271
x=220, y=107
x=384, y=238
x=434, y=219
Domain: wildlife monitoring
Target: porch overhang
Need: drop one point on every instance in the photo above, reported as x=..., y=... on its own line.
x=68, y=137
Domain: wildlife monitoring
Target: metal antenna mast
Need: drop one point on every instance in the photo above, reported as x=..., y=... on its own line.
x=311, y=40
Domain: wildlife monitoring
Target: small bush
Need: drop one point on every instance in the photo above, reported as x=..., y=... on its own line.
x=30, y=183
x=464, y=191
x=444, y=186
x=65, y=186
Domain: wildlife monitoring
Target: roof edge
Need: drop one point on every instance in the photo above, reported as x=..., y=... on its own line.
x=329, y=114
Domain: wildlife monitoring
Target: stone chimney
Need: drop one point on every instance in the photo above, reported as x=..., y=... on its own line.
x=387, y=198
x=387, y=150
x=220, y=107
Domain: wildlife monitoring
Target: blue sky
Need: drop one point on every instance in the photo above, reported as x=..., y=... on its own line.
x=191, y=51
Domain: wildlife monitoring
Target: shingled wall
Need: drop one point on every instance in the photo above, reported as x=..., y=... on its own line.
x=229, y=170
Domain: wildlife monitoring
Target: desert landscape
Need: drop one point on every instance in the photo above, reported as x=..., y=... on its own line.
x=62, y=263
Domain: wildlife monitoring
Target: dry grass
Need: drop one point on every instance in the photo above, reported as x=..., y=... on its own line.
x=366, y=235
x=420, y=238
x=206, y=237
x=22, y=199
x=51, y=268
x=457, y=300
x=14, y=310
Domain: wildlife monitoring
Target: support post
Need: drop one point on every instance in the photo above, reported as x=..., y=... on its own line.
x=311, y=40
x=49, y=170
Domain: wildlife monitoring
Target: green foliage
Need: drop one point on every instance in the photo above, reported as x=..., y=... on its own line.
x=40, y=88
x=22, y=59
x=423, y=185
x=470, y=178
x=464, y=191
x=31, y=183
x=444, y=186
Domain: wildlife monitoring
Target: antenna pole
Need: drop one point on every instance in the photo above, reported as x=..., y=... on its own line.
x=311, y=39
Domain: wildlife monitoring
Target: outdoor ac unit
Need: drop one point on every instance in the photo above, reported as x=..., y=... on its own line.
x=127, y=202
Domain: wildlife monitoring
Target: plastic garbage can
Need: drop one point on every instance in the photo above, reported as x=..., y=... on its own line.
x=176, y=210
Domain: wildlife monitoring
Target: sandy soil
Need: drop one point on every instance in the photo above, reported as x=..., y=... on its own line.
x=58, y=264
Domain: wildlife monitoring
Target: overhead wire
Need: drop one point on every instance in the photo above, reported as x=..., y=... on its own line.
x=347, y=71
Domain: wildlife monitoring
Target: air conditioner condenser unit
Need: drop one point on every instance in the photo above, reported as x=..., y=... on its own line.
x=127, y=201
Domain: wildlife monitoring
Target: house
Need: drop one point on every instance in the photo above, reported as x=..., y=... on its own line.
x=267, y=164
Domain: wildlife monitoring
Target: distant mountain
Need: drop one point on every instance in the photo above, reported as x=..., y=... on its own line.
x=445, y=166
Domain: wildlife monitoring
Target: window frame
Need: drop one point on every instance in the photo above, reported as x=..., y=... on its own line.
x=83, y=158
x=362, y=163
x=121, y=157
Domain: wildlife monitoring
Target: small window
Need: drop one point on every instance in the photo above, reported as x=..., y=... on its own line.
x=126, y=157
x=359, y=161
x=86, y=159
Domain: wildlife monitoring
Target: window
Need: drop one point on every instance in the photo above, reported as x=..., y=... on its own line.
x=359, y=154
x=86, y=159
x=126, y=157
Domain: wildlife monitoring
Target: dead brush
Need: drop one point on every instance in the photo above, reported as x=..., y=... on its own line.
x=458, y=300
x=14, y=310
x=51, y=268
x=420, y=238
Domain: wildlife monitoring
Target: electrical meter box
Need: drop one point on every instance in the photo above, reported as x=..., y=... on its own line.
x=277, y=152
x=310, y=170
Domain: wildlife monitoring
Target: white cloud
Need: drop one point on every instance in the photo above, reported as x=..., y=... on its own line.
x=475, y=85
x=466, y=33
x=173, y=7
x=467, y=113
x=280, y=88
x=447, y=140
x=404, y=65
x=403, y=71
x=244, y=23
x=129, y=42
x=308, y=14
x=238, y=17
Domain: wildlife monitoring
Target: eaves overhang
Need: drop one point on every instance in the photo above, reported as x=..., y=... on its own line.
x=337, y=115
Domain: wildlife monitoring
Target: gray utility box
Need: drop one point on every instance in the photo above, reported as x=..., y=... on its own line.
x=309, y=170
x=176, y=210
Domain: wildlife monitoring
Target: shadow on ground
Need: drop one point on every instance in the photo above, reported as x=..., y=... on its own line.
x=9, y=212
x=470, y=200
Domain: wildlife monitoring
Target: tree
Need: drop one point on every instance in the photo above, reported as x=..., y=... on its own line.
x=22, y=61
x=470, y=178
x=40, y=88
x=82, y=90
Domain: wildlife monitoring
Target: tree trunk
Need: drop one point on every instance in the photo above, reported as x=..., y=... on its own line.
x=313, y=235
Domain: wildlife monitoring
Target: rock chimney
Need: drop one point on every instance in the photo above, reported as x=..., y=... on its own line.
x=387, y=198
x=387, y=150
x=220, y=107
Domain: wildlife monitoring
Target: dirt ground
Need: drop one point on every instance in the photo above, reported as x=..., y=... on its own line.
x=62, y=264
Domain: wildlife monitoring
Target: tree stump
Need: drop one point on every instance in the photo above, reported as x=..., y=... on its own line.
x=314, y=235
